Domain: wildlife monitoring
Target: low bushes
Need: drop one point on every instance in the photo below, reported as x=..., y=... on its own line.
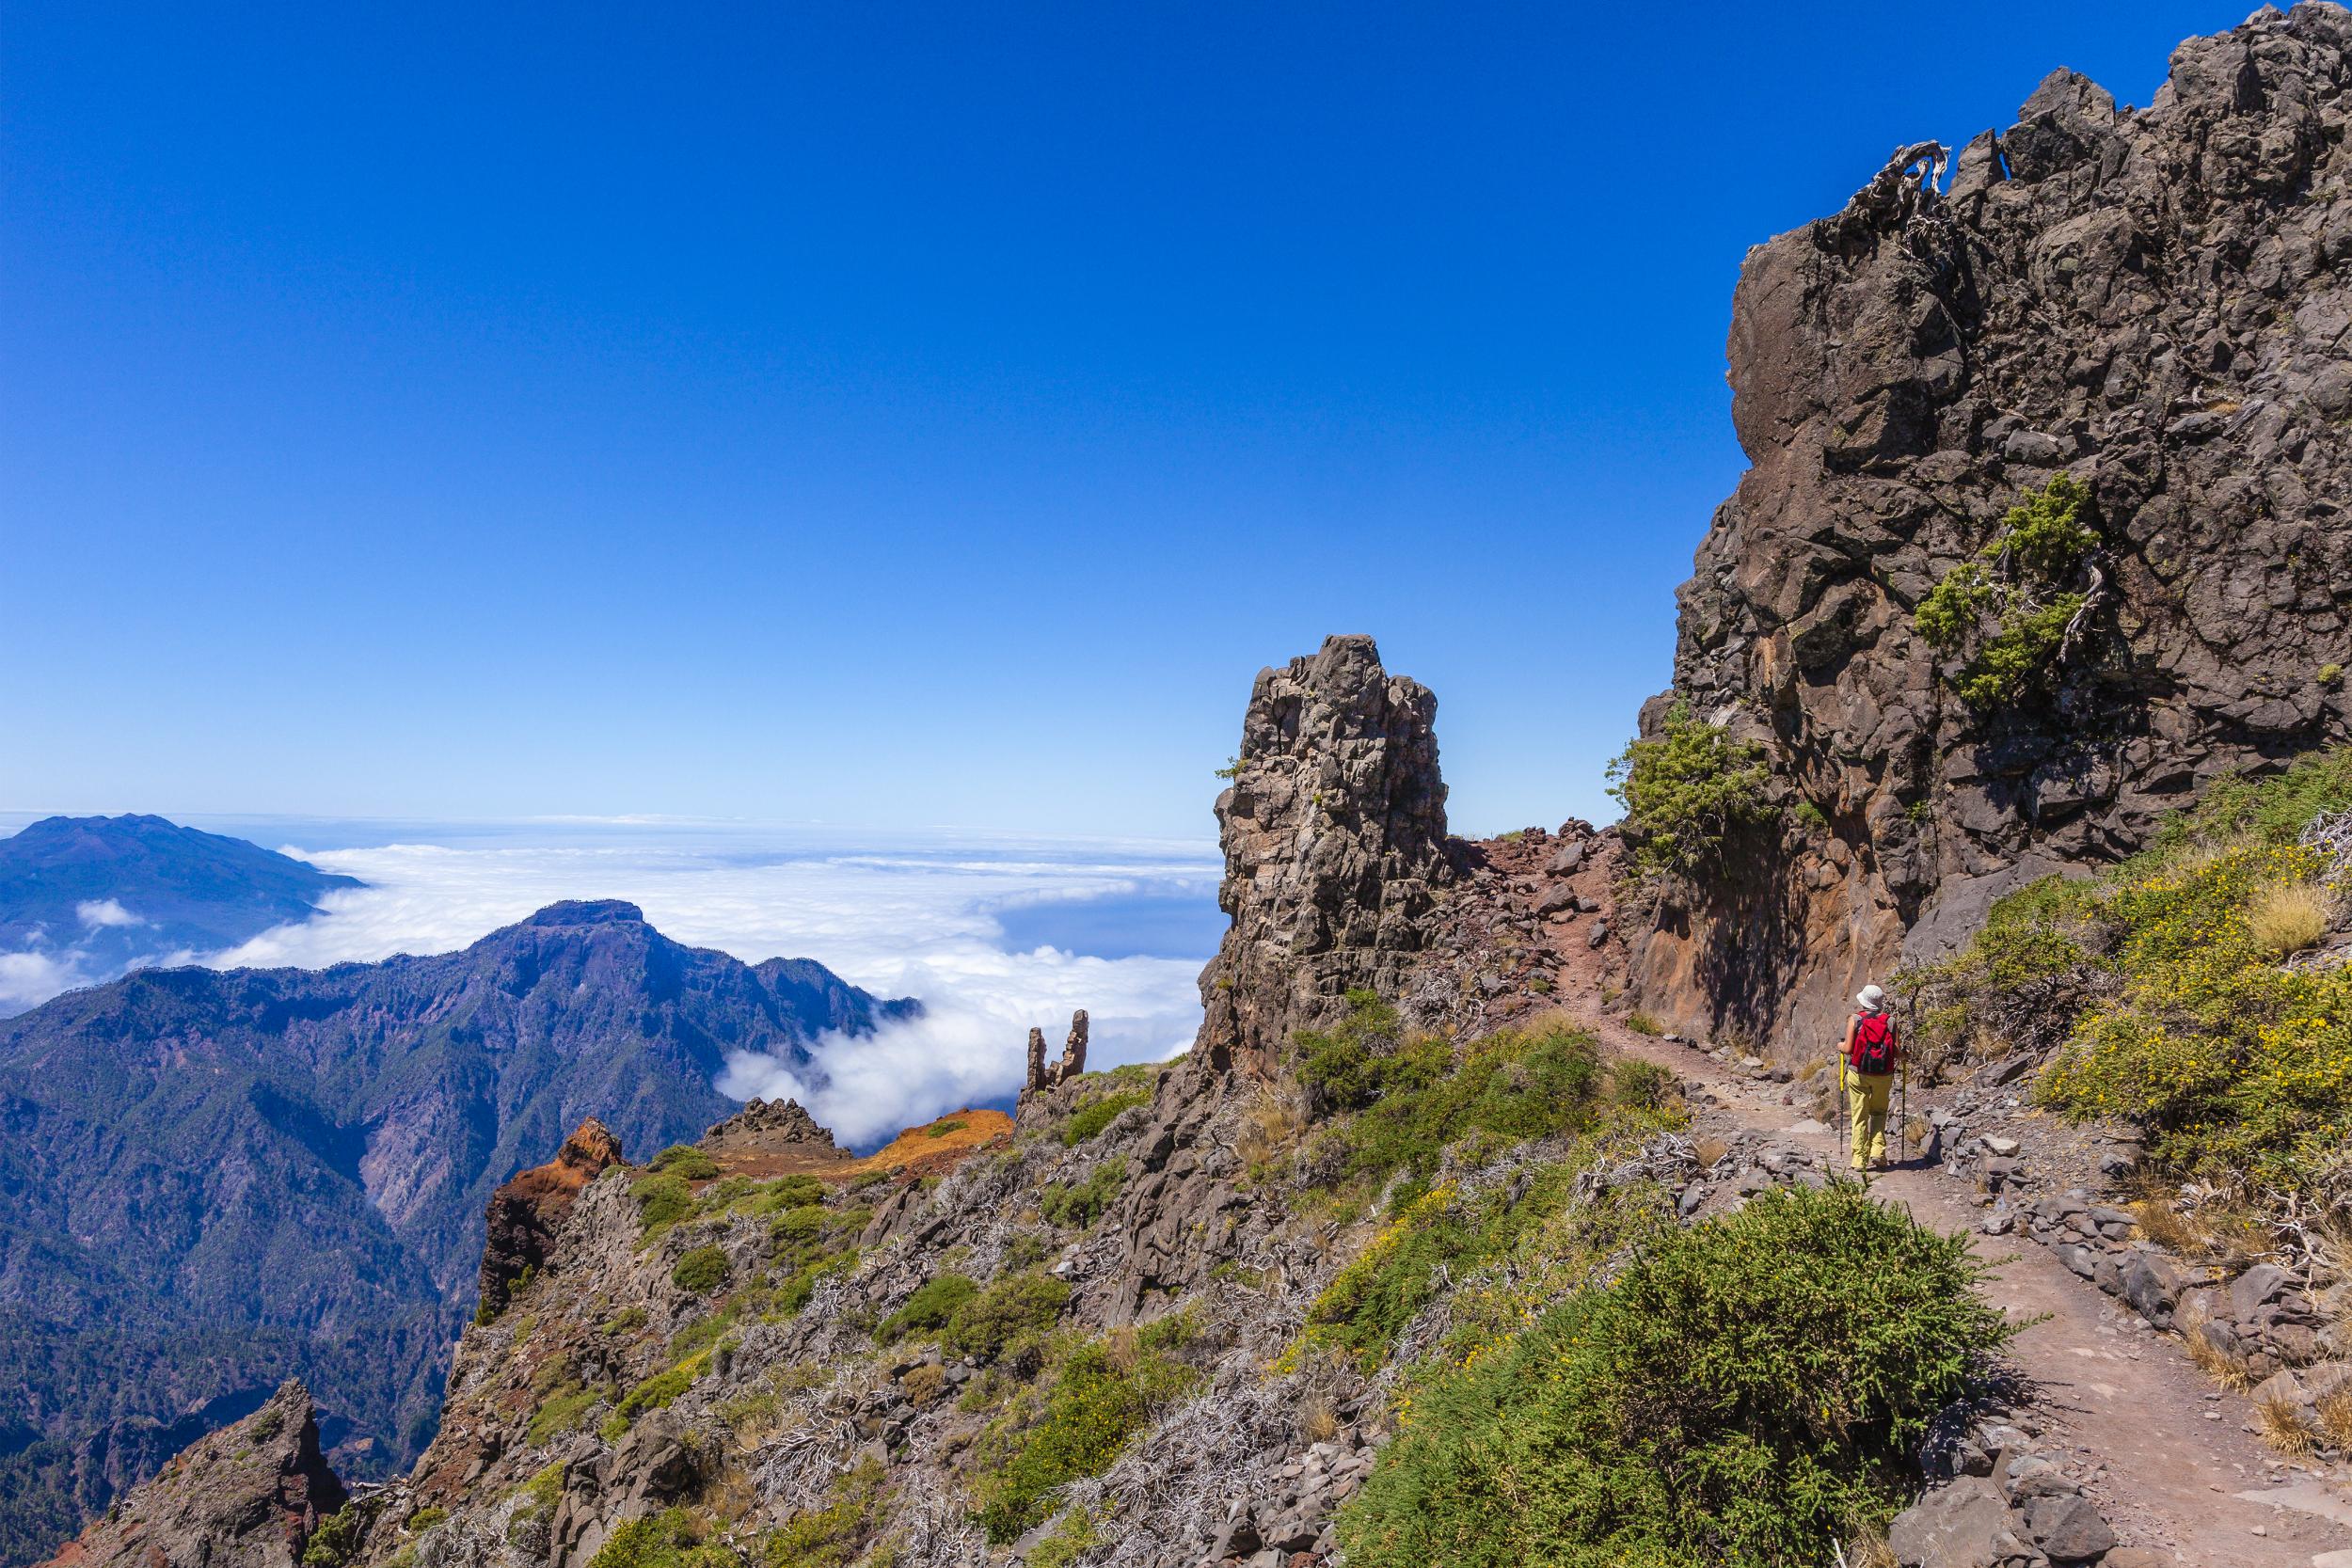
x=656, y=1392
x=1075, y=1205
x=929, y=1308
x=1093, y=1117
x=663, y=1199
x=684, y=1160
x=670, y=1539
x=1014, y=1311
x=1102, y=1395
x=1412, y=1098
x=701, y=1271
x=2160, y=981
x=834, y=1535
x=1746, y=1393
x=562, y=1411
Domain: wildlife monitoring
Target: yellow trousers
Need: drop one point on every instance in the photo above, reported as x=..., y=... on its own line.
x=1866, y=1095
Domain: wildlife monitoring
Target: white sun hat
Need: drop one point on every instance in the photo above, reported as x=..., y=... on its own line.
x=1870, y=999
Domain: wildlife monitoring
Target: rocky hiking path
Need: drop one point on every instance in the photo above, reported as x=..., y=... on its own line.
x=2136, y=1415
x=2164, y=1453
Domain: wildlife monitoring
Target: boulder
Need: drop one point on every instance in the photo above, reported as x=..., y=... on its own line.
x=1953, y=1527
x=2067, y=1528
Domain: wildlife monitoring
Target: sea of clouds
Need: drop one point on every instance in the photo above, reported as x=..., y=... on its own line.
x=991, y=936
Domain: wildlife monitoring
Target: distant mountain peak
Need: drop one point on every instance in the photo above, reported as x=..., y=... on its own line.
x=85, y=898
x=587, y=912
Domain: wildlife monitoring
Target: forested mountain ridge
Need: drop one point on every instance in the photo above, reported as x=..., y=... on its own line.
x=197, y=1156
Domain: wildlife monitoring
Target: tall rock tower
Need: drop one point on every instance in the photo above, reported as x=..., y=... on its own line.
x=1335, y=846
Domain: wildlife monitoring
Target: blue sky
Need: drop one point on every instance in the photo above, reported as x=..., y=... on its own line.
x=902, y=417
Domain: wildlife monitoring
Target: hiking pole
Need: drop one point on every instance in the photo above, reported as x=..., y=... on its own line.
x=1902, y=1112
x=1844, y=1121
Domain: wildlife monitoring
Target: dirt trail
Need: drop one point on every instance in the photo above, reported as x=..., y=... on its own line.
x=2113, y=1392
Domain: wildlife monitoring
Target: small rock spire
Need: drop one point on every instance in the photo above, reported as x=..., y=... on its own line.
x=1072, y=1063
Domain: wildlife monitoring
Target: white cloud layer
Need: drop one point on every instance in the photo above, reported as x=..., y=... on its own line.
x=105, y=912
x=916, y=922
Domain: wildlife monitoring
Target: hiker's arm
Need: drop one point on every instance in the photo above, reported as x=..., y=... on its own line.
x=1845, y=1047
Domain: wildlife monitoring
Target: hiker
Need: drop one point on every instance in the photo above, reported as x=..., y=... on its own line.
x=1865, y=1067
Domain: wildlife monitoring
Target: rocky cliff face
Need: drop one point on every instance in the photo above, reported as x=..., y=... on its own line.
x=2154, y=301
x=250, y=1496
x=1335, y=848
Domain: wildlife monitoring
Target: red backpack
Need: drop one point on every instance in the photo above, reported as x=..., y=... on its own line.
x=1873, y=1043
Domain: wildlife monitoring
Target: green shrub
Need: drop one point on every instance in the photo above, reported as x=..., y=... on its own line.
x=1069, y=1541
x=663, y=1199
x=543, y=1492
x=1747, y=1393
x=628, y=1320
x=1091, y=1118
x=684, y=1160
x=1419, y=1100
x=929, y=1308
x=670, y=1539
x=1437, y=1238
x=336, y=1541
x=701, y=1271
x=561, y=1411
x=941, y=1129
x=1075, y=1205
x=1685, y=791
x=792, y=1232
x=424, y=1519
x=1640, y=1086
x=1345, y=1068
x=2016, y=580
x=1640, y=1023
x=1015, y=1307
x=654, y=1393
x=2160, y=980
x=1098, y=1402
x=2274, y=809
x=794, y=1292
x=789, y=1191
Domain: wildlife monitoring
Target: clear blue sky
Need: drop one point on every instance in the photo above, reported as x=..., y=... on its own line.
x=889, y=414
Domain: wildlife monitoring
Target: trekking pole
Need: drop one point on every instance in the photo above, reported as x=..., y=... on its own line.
x=1902, y=1112
x=1844, y=1121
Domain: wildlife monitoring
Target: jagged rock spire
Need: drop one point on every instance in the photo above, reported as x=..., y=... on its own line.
x=1334, y=834
x=1072, y=1063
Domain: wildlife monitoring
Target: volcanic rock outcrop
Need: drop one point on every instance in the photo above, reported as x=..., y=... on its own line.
x=2155, y=302
x=1335, y=849
x=1040, y=1076
x=249, y=1496
x=525, y=1211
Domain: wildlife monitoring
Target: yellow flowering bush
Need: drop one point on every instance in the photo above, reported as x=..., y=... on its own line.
x=2163, y=977
x=2239, y=1066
